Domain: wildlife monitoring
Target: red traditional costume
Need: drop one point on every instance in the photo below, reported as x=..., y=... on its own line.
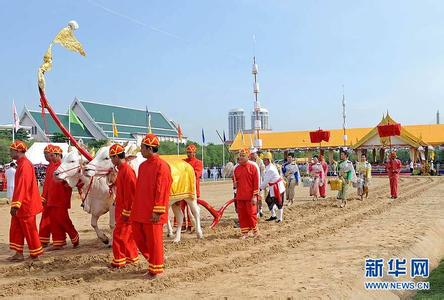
x=322, y=187
x=393, y=167
x=45, y=221
x=26, y=199
x=124, y=247
x=58, y=203
x=246, y=179
x=198, y=169
x=153, y=190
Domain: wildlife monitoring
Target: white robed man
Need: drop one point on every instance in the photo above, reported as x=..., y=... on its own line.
x=276, y=188
x=10, y=177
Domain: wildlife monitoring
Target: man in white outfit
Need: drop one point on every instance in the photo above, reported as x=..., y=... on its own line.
x=276, y=188
x=10, y=178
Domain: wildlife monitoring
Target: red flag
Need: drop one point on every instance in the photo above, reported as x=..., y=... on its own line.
x=179, y=133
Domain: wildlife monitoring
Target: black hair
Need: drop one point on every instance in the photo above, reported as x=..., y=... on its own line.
x=315, y=156
x=12, y=164
x=290, y=154
x=154, y=148
x=121, y=155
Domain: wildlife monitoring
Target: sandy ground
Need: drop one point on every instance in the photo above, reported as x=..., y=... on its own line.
x=318, y=252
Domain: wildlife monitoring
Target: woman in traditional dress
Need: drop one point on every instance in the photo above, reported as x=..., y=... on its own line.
x=346, y=175
x=317, y=173
x=364, y=169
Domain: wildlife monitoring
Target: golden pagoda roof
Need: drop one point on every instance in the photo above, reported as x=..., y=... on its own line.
x=411, y=139
x=414, y=135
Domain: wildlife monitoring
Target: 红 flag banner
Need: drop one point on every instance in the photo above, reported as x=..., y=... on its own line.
x=389, y=130
x=319, y=135
x=179, y=133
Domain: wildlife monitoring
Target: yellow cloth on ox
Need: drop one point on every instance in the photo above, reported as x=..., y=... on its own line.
x=184, y=180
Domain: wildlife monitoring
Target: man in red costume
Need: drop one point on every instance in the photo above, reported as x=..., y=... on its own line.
x=150, y=207
x=322, y=187
x=25, y=205
x=246, y=180
x=198, y=168
x=58, y=202
x=45, y=222
x=393, y=167
x=124, y=247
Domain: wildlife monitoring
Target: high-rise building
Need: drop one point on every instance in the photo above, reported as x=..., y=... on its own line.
x=236, y=122
x=263, y=117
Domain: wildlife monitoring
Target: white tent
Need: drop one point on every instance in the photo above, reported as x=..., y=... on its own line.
x=35, y=152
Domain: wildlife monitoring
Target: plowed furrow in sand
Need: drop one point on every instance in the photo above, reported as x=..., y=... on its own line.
x=296, y=217
x=216, y=254
x=248, y=253
x=191, y=249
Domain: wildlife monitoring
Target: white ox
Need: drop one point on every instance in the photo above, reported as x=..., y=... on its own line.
x=96, y=197
x=101, y=165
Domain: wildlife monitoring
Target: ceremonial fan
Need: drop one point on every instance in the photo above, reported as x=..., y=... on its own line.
x=389, y=130
x=318, y=136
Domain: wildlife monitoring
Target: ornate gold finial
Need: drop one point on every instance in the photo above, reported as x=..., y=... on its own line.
x=67, y=39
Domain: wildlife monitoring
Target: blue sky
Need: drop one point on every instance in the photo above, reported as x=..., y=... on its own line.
x=192, y=59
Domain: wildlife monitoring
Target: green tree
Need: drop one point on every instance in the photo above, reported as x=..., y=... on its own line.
x=6, y=139
x=212, y=152
x=169, y=148
x=439, y=155
x=59, y=137
x=4, y=150
x=97, y=144
x=20, y=134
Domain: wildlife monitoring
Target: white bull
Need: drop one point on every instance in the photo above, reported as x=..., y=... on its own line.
x=97, y=199
x=101, y=164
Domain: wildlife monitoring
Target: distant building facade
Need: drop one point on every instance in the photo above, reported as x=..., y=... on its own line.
x=132, y=124
x=263, y=117
x=236, y=122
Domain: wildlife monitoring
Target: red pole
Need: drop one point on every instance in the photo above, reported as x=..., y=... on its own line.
x=45, y=104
